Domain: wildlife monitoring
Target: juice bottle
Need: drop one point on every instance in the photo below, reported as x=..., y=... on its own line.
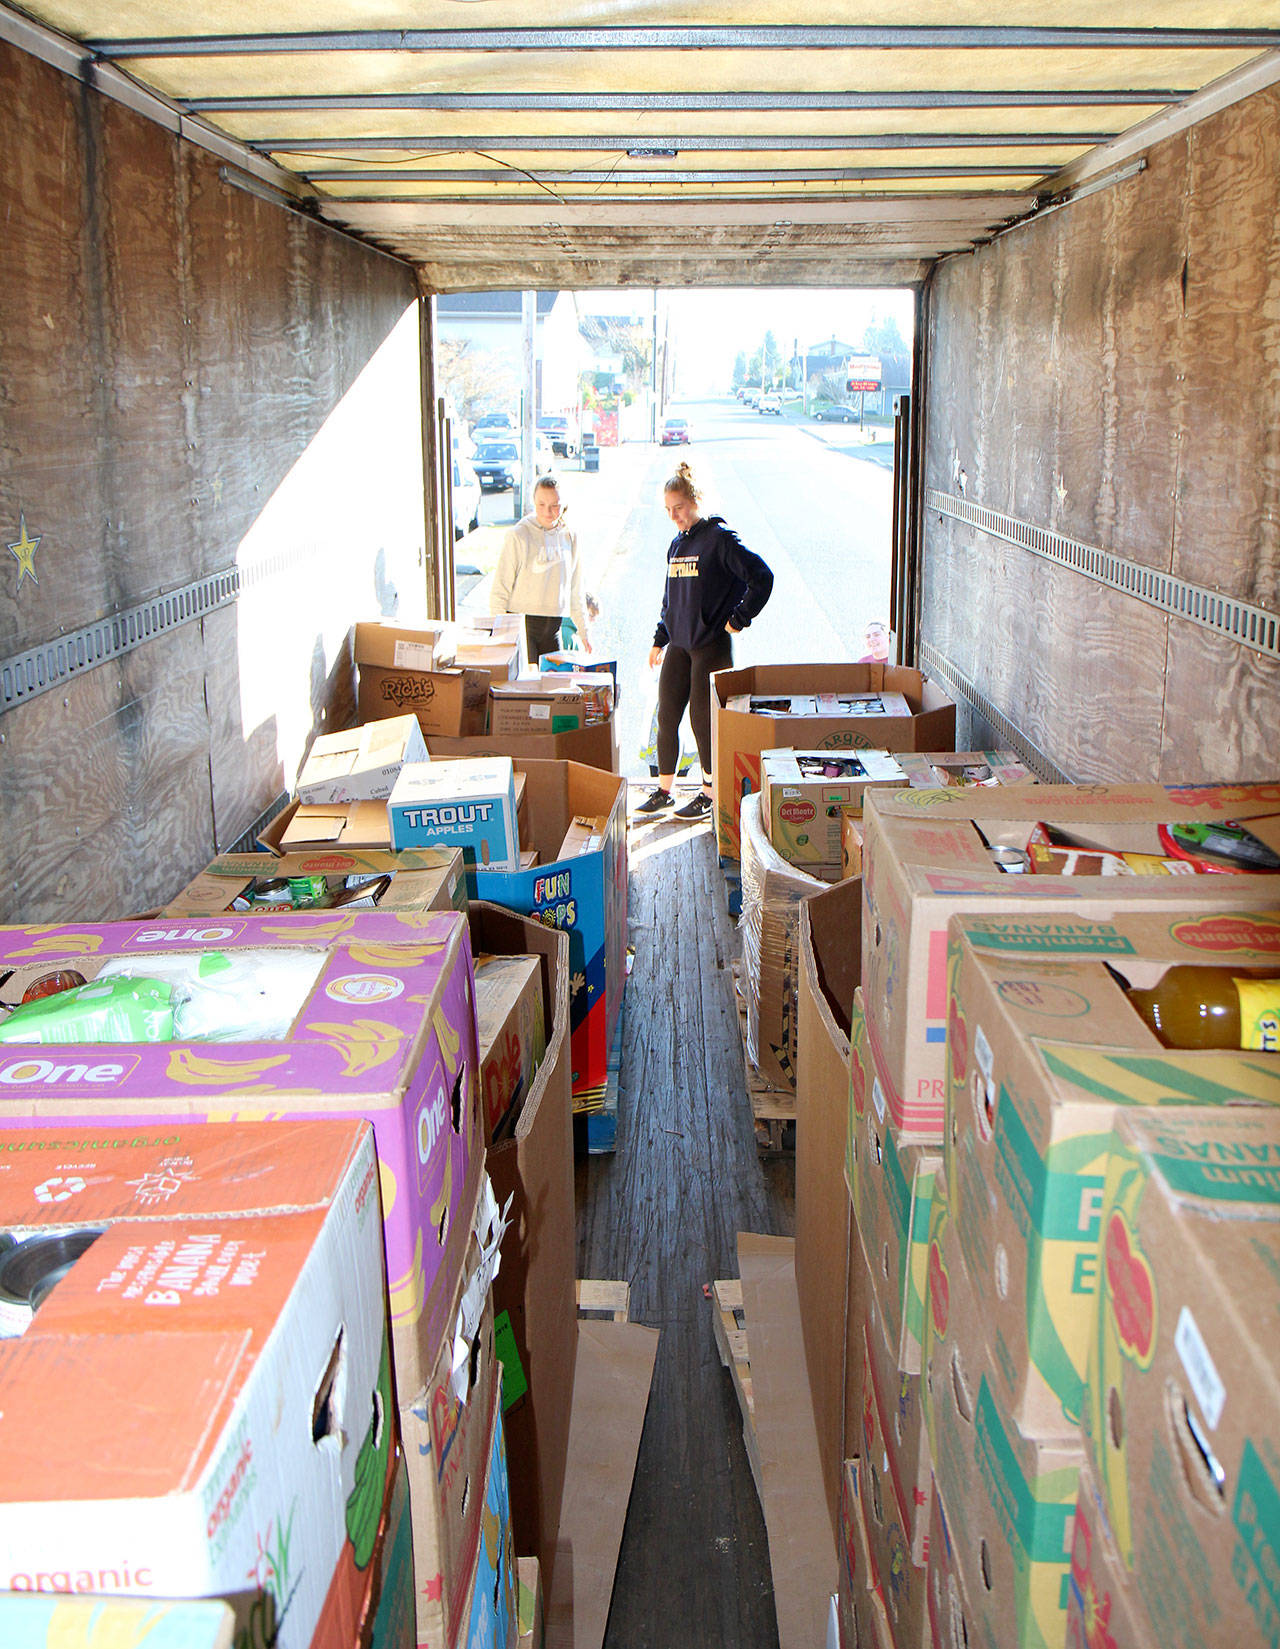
x=1205, y=1007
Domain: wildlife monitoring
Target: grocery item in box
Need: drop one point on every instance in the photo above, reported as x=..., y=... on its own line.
x=512, y=1027
x=582, y=664
x=262, y=884
x=959, y=769
x=852, y=836
x=469, y=804
x=804, y=792
x=789, y=716
x=929, y=855
x=387, y=1033
x=1047, y=1054
x=361, y=764
x=1183, y=1409
x=227, y=1317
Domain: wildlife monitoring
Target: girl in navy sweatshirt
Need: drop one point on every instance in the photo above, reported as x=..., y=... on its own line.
x=715, y=587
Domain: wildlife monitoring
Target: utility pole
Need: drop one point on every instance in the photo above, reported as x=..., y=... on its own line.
x=529, y=411
x=653, y=373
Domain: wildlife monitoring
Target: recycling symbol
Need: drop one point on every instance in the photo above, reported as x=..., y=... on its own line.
x=59, y=1188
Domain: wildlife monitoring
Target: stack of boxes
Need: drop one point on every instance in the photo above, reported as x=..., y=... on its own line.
x=166, y=1246
x=1061, y=1391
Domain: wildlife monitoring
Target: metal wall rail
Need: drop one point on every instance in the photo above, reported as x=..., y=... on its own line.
x=1239, y=621
x=941, y=669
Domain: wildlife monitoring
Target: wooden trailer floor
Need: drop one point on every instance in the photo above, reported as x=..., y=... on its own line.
x=662, y=1213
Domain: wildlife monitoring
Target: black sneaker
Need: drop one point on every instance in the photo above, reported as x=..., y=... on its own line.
x=698, y=808
x=655, y=802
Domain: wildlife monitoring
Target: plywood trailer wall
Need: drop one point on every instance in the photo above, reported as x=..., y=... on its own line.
x=194, y=382
x=1110, y=373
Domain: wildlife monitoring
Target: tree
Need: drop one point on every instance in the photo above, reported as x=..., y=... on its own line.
x=772, y=358
x=739, y=368
x=475, y=380
x=883, y=338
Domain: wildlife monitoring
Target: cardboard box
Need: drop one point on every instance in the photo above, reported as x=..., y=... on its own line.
x=1047, y=1052
x=532, y=1173
x=803, y=793
x=491, y=1617
x=898, y=1400
x=1183, y=1410
x=597, y=692
x=512, y=1027
x=529, y=1623
x=586, y=896
x=595, y=746
x=1100, y=1599
x=584, y=835
x=33, y=1622
x=952, y=1619
x=388, y=1033
x=772, y=894
x=925, y=861
x=392, y=1589
x=361, y=764
x=738, y=736
x=889, y=1524
x=506, y=628
x=469, y=804
x=448, y=701
x=535, y=705
x=422, y=879
x=864, y=1624
x=229, y=1322
x=1010, y=1498
x=824, y=1237
x=852, y=836
x=389, y=645
x=891, y=1182
x=447, y=1429
x=957, y=769
x=582, y=664
x=501, y=659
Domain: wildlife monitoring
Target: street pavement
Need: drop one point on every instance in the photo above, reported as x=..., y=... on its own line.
x=815, y=500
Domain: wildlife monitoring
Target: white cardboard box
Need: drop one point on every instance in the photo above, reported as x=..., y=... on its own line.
x=361, y=764
x=469, y=804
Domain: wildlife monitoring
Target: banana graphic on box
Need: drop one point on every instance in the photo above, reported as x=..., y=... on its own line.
x=200, y=1070
x=364, y=1504
x=362, y=1045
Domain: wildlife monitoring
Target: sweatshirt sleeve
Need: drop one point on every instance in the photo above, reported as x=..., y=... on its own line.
x=505, y=574
x=754, y=573
x=661, y=636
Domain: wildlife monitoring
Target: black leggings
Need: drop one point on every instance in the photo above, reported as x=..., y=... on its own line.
x=542, y=635
x=686, y=680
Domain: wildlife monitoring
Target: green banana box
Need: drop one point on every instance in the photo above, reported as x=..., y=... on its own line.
x=1102, y=1611
x=1010, y=1497
x=891, y=1181
x=1183, y=1401
x=1046, y=1053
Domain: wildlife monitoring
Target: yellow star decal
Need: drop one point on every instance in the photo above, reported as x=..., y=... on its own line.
x=24, y=551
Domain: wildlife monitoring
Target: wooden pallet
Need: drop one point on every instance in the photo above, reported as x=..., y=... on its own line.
x=774, y=1109
x=730, y=1326
x=597, y=1298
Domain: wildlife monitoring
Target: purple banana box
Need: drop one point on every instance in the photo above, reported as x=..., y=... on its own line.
x=388, y=1032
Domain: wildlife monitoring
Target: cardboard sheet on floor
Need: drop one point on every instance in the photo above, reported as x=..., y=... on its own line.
x=801, y=1552
x=610, y=1395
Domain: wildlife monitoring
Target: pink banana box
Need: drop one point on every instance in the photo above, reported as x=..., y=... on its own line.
x=387, y=1031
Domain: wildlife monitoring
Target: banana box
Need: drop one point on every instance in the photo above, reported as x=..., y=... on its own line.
x=864, y=1624
x=952, y=1620
x=381, y=1024
x=1101, y=1609
x=198, y=1403
x=512, y=1026
x=1047, y=1052
x=803, y=793
x=492, y=1615
x=888, y=1522
x=33, y=1622
x=424, y=878
x=1009, y=1496
x=928, y=857
x=1183, y=1410
x=899, y=1401
x=447, y=1431
x=892, y=1190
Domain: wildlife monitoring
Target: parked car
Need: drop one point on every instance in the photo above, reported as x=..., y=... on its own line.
x=753, y=397
x=771, y=403
x=675, y=433
x=492, y=421
x=561, y=432
x=836, y=415
x=497, y=463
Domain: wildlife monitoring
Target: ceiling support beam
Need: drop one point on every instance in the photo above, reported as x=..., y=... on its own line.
x=690, y=143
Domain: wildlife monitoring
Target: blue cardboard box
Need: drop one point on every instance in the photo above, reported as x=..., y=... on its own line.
x=491, y=1620
x=584, y=894
x=469, y=804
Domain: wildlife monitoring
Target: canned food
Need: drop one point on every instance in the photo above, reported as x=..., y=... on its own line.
x=30, y=1269
x=1016, y=861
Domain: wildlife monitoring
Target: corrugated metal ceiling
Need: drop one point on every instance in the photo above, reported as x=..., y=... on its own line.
x=747, y=142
